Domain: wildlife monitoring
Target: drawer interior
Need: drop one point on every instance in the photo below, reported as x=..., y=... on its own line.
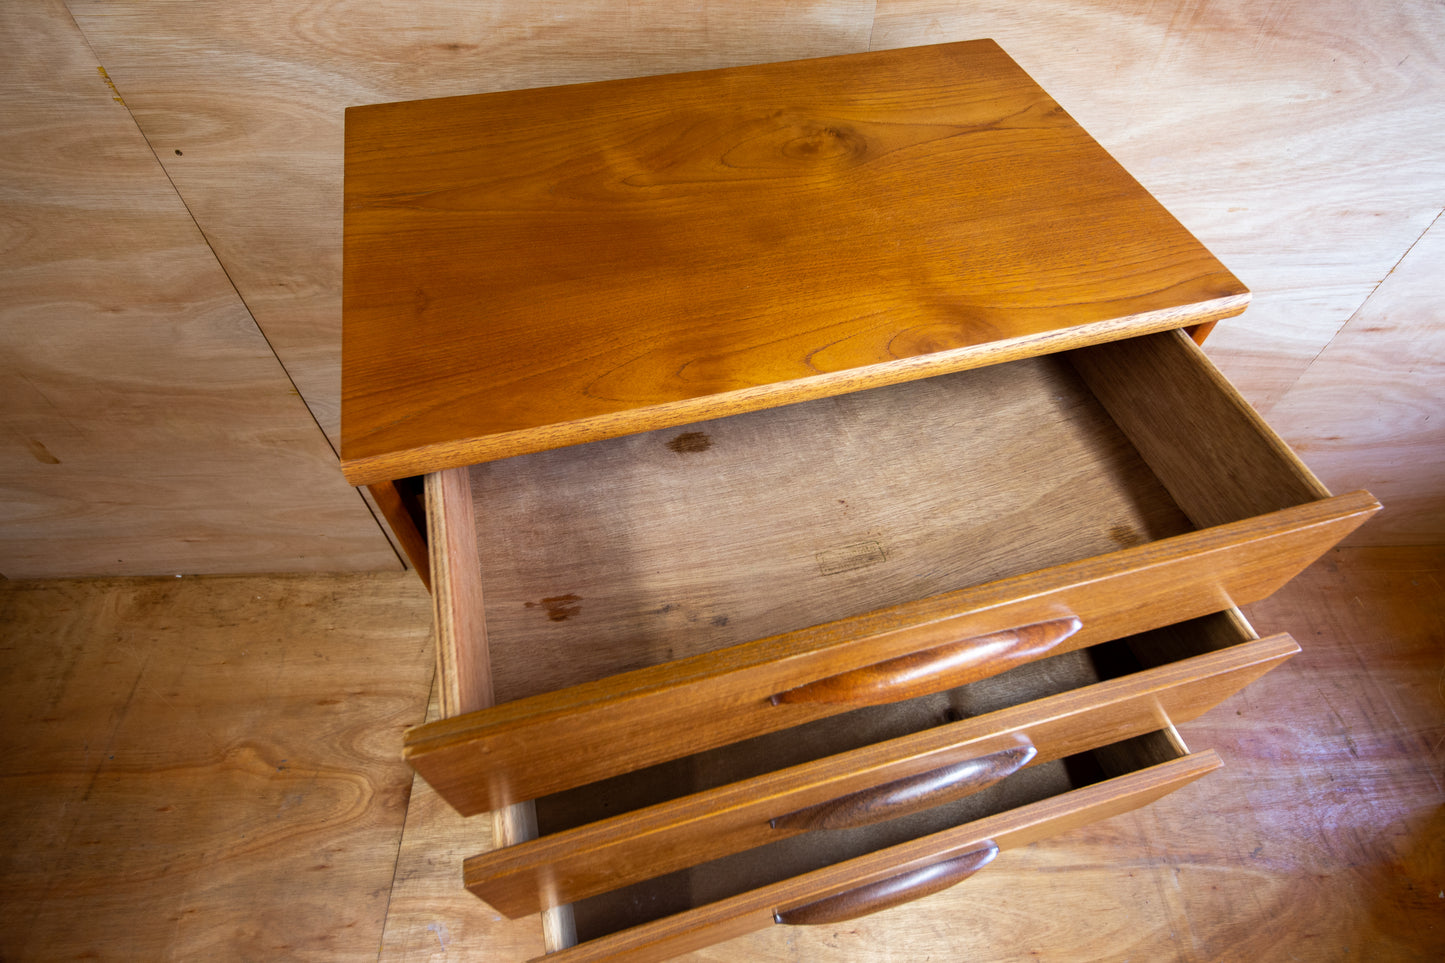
x=612, y=556
x=875, y=724
x=723, y=878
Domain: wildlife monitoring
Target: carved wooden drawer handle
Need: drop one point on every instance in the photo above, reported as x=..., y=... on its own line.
x=927, y=789
x=893, y=891
x=933, y=669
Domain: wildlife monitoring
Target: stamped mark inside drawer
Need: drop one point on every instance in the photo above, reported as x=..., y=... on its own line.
x=849, y=558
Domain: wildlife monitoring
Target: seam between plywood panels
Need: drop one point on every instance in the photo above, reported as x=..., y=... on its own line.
x=119, y=98
x=1363, y=305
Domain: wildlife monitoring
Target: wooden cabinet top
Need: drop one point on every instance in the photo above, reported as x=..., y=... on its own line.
x=537, y=268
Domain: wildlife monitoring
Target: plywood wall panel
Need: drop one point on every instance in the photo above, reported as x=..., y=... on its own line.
x=244, y=103
x=1370, y=412
x=145, y=424
x=1301, y=141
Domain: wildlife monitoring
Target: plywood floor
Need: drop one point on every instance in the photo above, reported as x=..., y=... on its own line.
x=207, y=769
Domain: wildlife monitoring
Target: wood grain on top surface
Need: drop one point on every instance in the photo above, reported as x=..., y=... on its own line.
x=537, y=268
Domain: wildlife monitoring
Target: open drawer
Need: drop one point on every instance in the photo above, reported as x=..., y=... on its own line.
x=869, y=765
x=823, y=878
x=656, y=595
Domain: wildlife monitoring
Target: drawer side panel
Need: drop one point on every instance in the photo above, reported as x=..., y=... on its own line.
x=1218, y=458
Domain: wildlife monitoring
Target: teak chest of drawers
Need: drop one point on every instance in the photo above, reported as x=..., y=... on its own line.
x=822, y=489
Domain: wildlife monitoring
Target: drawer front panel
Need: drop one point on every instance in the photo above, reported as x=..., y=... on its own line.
x=714, y=922
x=615, y=852
x=539, y=745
